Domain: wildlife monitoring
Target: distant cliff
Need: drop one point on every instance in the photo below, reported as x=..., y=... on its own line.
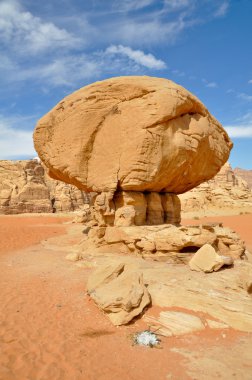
x=244, y=174
x=26, y=188
x=225, y=192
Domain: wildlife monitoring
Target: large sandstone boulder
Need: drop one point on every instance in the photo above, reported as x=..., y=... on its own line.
x=134, y=134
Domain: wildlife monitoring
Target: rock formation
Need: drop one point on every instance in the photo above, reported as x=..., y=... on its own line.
x=137, y=142
x=132, y=134
x=164, y=242
x=225, y=192
x=26, y=188
x=246, y=175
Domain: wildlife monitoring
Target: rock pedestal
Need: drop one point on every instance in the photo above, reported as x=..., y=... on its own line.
x=132, y=208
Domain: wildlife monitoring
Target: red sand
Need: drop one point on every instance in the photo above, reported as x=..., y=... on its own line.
x=18, y=232
x=50, y=330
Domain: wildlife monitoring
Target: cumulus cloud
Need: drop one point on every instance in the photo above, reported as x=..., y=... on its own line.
x=23, y=32
x=138, y=56
x=15, y=141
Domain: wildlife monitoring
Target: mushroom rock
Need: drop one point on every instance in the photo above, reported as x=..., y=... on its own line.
x=132, y=133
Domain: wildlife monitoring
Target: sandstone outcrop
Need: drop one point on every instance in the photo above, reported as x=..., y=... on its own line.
x=164, y=242
x=221, y=298
x=26, y=188
x=121, y=294
x=132, y=134
x=226, y=192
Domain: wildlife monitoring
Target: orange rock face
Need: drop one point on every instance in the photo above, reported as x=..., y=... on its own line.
x=132, y=134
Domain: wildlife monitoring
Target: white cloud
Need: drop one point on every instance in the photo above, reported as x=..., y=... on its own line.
x=138, y=56
x=14, y=141
x=131, y=5
x=222, y=10
x=177, y=4
x=250, y=81
x=74, y=70
x=212, y=84
x=244, y=96
x=239, y=131
x=23, y=32
x=209, y=84
x=66, y=71
x=136, y=31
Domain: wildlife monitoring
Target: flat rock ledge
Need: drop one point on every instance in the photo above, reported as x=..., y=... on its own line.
x=122, y=286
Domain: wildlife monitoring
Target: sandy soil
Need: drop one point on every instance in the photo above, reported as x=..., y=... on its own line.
x=23, y=231
x=50, y=330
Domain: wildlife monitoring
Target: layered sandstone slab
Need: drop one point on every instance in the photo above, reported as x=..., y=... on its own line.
x=120, y=293
x=163, y=242
x=132, y=134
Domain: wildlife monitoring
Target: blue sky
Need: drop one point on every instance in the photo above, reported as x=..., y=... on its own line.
x=49, y=49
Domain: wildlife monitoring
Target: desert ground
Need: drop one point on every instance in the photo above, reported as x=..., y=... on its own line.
x=50, y=329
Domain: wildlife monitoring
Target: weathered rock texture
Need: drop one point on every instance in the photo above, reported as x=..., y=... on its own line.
x=25, y=187
x=129, y=208
x=132, y=134
x=121, y=294
x=246, y=175
x=164, y=242
x=226, y=191
x=223, y=297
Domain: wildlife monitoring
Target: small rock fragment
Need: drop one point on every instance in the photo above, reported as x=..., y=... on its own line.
x=73, y=257
x=207, y=260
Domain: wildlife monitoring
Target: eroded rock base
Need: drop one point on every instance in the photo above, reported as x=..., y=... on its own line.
x=133, y=208
x=163, y=242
